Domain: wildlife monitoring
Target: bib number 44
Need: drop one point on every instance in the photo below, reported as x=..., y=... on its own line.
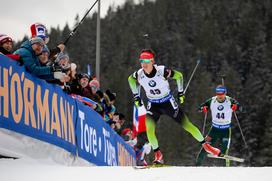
x=220, y=115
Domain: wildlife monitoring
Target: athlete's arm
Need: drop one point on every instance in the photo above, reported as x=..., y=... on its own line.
x=206, y=104
x=176, y=75
x=132, y=80
x=236, y=105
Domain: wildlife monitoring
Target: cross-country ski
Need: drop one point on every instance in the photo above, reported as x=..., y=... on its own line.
x=227, y=157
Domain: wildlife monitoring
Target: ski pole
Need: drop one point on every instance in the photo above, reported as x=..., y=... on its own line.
x=204, y=124
x=75, y=29
x=198, y=62
x=235, y=115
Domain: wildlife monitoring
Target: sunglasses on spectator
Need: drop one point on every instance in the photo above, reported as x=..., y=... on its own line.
x=145, y=60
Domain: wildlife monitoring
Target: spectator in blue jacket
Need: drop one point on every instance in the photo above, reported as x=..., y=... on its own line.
x=29, y=52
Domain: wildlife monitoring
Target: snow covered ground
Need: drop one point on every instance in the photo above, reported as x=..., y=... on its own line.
x=30, y=170
x=44, y=162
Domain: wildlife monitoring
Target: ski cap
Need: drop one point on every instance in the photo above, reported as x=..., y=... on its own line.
x=126, y=131
x=38, y=29
x=94, y=83
x=4, y=38
x=84, y=75
x=37, y=40
x=45, y=49
x=62, y=56
x=220, y=90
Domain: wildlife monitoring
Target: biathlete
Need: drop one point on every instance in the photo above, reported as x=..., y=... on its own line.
x=154, y=80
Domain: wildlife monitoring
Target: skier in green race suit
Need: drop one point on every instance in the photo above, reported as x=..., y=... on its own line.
x=221, y=107
x=154, y=80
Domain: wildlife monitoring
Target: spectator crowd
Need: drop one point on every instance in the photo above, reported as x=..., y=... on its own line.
x=54, y=66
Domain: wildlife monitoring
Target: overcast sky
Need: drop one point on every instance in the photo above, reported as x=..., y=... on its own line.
x=16, y=16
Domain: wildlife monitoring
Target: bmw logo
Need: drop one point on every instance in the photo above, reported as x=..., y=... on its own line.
x=152, y=83
x=220, y=108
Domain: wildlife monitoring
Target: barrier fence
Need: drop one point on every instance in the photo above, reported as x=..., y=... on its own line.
x=31, y=106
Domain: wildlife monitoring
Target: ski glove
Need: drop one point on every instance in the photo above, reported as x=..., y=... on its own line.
x=204, y=109
x=181, y=97
x=137, y=101
x=234, y=107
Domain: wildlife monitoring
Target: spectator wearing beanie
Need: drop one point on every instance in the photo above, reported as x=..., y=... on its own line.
x=6, y=46
x=38, y=29
x=63, y=61
x=129, y=137
x=79, y=86
x=43, y=57
x=84, y=83
x=29, y=52
x=94, y=85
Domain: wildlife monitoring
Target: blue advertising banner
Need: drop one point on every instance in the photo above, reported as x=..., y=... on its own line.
x=98, y=143
x=31, y=106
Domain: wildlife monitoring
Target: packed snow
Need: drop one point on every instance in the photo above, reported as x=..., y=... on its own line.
x=44, y=162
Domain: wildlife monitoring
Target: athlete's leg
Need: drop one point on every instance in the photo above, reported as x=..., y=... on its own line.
x=172, y=109
x=153, y=115
x=191, y=128
x=141, y=140
x=150, y=130
x=202, y=153
x=140, y=149
x=195, y=132
x=211, y=139
x=177, y=114
x=200, y=156
x=225, y=143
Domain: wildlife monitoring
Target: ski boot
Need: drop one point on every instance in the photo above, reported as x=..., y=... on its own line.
x=158, y=157
x=141, y=163
x=140, y=157
x=210, y=149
